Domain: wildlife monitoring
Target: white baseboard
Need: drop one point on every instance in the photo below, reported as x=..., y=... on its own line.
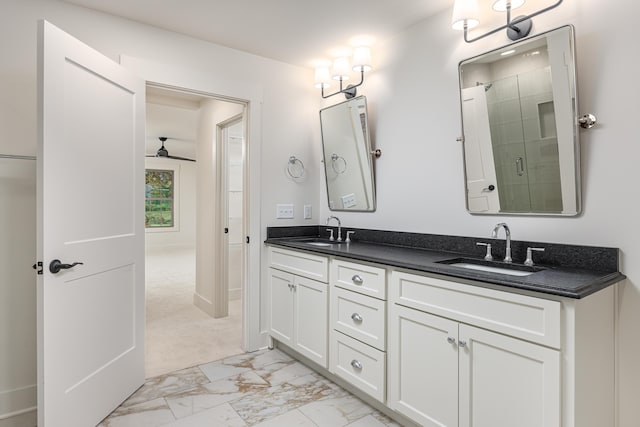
x=203, y=304
x=17, y=402
x=29, y=418
x=235, y=294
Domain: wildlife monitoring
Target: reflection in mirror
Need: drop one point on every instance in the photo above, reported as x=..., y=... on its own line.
x=347, y=159
x=521, y=151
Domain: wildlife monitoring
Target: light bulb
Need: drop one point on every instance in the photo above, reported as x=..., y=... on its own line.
x=362, y=59
x=501, y=5
x=464, y=12
x=322, y=77
x=341, y=68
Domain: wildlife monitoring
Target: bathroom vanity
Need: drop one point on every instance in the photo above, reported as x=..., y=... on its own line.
x=445, y=345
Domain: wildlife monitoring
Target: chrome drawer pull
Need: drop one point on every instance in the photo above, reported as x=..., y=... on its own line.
x=356, y=317
x=356, y=365
x=357, y=279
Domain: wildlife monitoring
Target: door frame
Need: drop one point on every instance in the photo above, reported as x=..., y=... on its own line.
x=170, y=76
x=221, y=288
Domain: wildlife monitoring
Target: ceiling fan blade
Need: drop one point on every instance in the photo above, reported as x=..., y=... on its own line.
x=180, y=158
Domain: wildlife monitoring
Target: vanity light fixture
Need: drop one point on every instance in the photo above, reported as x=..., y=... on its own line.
x=361, y=60
x=465, y=17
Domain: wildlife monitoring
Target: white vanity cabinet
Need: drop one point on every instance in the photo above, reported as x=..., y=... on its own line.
x=358, y=325
x=463, y=355
x=299, y=302
x=444, y=373
x=449, y=352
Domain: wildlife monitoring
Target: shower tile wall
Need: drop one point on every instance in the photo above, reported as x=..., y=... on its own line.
x=503, y=102
x=541, y=142
x=523, y=132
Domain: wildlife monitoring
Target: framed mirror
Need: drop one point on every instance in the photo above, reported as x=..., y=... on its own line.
x=348, y=165
x=520, y=127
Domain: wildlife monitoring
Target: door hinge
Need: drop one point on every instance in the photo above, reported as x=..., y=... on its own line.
x=247, y=239
x=226, y=230
x=38, y=266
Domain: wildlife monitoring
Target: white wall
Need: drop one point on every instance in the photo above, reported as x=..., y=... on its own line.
x=415, y=118
x=287, y=113
x=209, y=216
x=17, y=287
x=413, y=95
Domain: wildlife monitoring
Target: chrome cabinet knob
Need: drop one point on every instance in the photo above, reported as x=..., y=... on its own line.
x=462, y=343
x=451, y=340
x=356, y=317
x=356, y=365
x=357, y=279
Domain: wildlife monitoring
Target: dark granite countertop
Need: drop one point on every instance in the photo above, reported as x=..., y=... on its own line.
x=569, y=280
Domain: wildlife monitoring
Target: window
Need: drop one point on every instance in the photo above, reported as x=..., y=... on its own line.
x=159, y=198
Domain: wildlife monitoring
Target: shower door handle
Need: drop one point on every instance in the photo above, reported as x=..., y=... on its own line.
x=56, y=265
x=520, y=166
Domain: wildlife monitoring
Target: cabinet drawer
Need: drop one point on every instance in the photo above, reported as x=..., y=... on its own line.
x=303, y=264
x=361, y=278
x=359, y=316
x=533, y=319
x=359, y=364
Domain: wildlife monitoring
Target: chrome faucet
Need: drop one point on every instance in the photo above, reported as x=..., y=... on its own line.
x=494, y=235
x=339, y=239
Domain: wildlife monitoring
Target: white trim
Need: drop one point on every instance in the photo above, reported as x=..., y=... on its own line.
x=17, y=401
x=249, y=93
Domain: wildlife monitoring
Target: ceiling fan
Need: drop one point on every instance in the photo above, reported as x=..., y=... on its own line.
x=162, y=152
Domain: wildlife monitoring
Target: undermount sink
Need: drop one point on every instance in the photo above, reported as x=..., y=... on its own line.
x=319, y=241
x=491, y=267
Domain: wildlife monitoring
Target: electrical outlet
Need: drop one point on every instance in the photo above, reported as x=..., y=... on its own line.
x=348, y=200
x=307, y=212
x=284, y=211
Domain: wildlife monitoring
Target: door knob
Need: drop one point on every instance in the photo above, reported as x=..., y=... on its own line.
x=56, y=265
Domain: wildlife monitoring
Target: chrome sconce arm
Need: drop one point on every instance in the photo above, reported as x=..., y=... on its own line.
x=517, y=28
x=341, y=70
x=349, y=92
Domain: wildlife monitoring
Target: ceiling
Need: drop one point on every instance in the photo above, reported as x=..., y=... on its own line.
x=299, y=32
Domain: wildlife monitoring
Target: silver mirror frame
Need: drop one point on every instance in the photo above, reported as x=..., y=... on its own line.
x=368, y=152
x=575, y=127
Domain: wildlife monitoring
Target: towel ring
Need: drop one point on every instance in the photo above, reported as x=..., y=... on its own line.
x=295, y=167
x=338, y=163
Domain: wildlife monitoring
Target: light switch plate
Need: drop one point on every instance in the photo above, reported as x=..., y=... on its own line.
x=307, y=212
x=284, y=211
x=348, y=200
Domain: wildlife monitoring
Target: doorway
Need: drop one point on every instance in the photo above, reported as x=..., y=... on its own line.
x=184, y=326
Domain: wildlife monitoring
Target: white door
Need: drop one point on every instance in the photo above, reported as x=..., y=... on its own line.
x=281, y=303
x=423, y=367
x=482, y=185
x=507, y=382
x=91, y=211
x=310, y=319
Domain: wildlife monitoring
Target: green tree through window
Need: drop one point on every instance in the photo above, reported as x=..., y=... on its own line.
x=159, y=193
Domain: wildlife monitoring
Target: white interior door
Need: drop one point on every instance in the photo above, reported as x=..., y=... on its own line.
x=90, y=210
x=482, y=185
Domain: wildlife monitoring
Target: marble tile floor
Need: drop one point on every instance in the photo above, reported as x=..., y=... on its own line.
x=263, y=389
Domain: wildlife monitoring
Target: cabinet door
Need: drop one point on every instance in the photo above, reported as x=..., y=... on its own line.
x=506, y=382
x=281, y=304
x=423, y=367
x=311, y=319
